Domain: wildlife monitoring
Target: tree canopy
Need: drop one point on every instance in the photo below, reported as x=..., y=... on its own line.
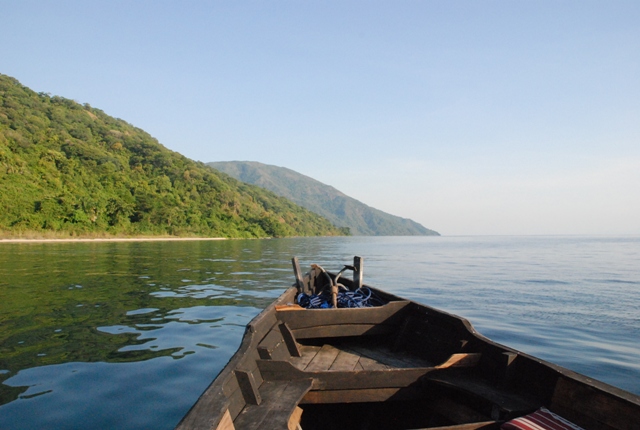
x=71, y=169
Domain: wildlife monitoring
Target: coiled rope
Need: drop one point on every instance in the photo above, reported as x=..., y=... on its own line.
x=363, y=297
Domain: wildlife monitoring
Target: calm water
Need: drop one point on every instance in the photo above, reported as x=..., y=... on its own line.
x=127, y=335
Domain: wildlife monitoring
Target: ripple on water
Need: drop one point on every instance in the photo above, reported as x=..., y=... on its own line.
x=142, y=348
x=200, y=340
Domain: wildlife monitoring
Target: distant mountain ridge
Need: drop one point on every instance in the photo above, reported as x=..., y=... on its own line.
x=325, y=200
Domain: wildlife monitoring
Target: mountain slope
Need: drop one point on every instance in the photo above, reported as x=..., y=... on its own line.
x=70, y=169
x=322, y=199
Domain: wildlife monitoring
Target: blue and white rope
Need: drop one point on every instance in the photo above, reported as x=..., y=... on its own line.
x=363, y=297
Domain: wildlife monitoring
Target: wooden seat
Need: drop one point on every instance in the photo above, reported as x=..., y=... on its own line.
x=506, y=404
x=352, y=357
x=280, y=400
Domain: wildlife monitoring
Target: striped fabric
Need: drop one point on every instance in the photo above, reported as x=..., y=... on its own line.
x=542, y=419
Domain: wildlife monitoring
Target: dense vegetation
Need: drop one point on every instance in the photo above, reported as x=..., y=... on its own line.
x=70, y=169
x=323, y=199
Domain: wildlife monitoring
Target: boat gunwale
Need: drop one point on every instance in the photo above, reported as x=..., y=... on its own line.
x=214, y=404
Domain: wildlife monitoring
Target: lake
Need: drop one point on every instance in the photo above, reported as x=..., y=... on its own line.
x=115, y=335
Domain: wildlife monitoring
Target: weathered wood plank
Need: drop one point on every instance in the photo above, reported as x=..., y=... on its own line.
x=389, y=378
x=341, y=330
x=437, y=336
x=589, y=407
x=461, y=360
x=269, y=344
x=280, y=401
x=509, y=402
x=248, y=363
x=345, y=361
x=323, y=359
x=370, y=364
x=339, y=380
x=230, y=384
x=294, y=419
x=298, y=274
x=226, y=423
x=236, y=403
x=273, y=346
x=299, y=319
x=248, y=387
x=280, y=415
x=358, y=274
x=281, y=353
x=385, y=356
x=252, y=415
x=289, y=340
x=209, y=410
x=263, y=325
x=307, y=352
x=350, y=396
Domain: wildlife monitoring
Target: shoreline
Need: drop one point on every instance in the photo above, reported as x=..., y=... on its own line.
x=112, y=239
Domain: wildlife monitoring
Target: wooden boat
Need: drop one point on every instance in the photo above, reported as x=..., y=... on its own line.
x=399, y=365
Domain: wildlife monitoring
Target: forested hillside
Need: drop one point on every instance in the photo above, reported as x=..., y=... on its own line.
x=70, y=169
x=323, y=199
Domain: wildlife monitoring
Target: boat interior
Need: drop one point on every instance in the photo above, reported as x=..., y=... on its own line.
x=400, y=365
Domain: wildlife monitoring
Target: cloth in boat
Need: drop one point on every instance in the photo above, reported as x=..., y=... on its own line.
x=542, y=419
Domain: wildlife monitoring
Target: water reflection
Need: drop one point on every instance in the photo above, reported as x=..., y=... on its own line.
x=127, y=335
x=71, y=312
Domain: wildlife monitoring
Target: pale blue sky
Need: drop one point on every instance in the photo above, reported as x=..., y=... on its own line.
x=470, y=117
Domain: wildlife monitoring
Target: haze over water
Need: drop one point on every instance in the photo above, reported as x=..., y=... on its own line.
x=128, y=335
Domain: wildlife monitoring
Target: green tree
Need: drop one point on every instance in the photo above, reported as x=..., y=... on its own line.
x=71, y=169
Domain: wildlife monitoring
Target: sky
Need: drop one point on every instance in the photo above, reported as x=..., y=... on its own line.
x=469, y=117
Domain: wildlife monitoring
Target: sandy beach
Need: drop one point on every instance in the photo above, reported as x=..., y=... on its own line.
x=111, y=239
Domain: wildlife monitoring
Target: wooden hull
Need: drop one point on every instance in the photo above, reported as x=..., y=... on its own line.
x=398, y=366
